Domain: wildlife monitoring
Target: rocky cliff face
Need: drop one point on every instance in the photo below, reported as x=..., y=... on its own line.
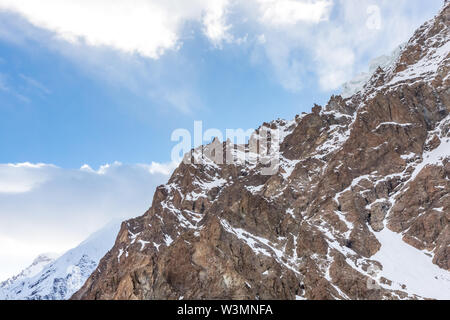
x=359, y=208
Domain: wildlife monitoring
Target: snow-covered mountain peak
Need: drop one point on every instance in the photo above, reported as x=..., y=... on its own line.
x=359, y=81
x=45, y=258
x=423, y=58
x=50, y=277
x=33, y=269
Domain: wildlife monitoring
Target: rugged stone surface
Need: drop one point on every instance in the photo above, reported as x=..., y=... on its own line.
x=349, y=173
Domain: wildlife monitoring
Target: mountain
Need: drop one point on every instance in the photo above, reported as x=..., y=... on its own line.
x=359, y=208
x=357, y=84
x=36, y=266
x=51, y=278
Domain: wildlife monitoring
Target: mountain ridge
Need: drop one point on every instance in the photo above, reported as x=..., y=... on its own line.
x=357, y=179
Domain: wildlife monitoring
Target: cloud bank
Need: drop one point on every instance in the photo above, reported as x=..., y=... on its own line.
x=330, y=38
x=44, y=208
x=147, y=27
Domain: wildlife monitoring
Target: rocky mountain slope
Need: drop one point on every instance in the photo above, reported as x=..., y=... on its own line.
x=359, y=208
x=51, y=278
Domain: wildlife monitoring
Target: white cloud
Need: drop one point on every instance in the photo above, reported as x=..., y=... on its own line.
x=215, y=23
x=334, y=58
x=337, y=40
x=164, y=169
x=332, y=39
x=140, y=26
x=287, y=67
x=147, y=27
x=290, y=12
x=165, y=84
x=20, y=178
x=151, y=27
x=44, y=208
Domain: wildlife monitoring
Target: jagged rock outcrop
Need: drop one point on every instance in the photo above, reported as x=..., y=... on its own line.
x=362, y=191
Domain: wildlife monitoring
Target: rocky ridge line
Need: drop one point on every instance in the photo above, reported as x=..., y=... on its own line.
x=362, y=191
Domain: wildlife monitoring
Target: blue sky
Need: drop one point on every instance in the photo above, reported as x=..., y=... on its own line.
x=74, y=116
x=64, y=106
x=99, y=83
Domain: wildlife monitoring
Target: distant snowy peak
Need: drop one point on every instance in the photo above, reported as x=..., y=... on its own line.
x=53, y=278
x=423, y=58
x=39, y=263
x=45, y=258
x=358, y=82
x=36, y=266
